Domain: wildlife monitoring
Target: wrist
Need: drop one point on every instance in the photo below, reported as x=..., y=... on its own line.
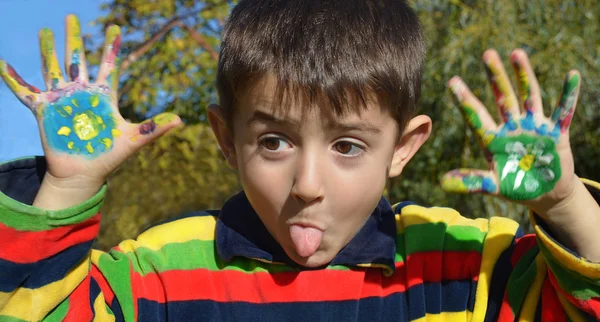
x=61, y=193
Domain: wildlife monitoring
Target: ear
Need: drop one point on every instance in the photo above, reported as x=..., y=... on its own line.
x=415, y=134
x=218, y=124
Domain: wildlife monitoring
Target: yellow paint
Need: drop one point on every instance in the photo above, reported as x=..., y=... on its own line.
x=70, y=145
x=115, y=133
x=18, y=89
x=52, y=70
x=89, y=148
x=164, y=118
x=65, y=130
x=85, y=125
x=526, y=162
x=107, y=142
x=74, y=101
x=74, y=34
x=94, y=100
x=64, y=111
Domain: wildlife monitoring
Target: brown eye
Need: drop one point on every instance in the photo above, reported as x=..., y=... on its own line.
x=271, y=143
x=343, y=147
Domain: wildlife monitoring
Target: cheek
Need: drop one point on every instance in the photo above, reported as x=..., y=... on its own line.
x=267, y=186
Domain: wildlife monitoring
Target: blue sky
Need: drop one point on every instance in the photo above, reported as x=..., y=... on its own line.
x=20, y=21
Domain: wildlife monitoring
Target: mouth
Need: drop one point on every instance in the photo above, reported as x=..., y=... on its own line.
x=306, y=239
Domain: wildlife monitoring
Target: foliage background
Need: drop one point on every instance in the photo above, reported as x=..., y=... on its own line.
x=171, y=50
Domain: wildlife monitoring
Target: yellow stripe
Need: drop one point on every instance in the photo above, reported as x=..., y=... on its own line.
x=562, y=256
x=34, y=304
x=179, y=231
x=572, y=312
x=535, y=290
x=500, y=235
x=445, y=316
x=416, y=215
x=100, y=309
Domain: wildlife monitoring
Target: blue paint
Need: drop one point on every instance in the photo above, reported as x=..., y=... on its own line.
x=55, y=116
x=488, y=185
x=542, y=130
x=528, y=122
x=555, y=134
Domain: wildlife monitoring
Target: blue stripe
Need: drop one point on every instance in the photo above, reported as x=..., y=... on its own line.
x=390, y=308
x=94, y=292
x=44, y=272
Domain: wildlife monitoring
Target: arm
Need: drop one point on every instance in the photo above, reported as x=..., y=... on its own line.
x=47, y=227
x=530, y=162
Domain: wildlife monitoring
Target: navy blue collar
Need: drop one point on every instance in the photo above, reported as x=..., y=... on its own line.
x=240, y=232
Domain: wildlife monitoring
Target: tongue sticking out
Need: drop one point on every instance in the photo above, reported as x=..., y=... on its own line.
x=306, y=239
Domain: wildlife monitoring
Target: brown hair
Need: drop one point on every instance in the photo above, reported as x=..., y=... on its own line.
x=340, y=51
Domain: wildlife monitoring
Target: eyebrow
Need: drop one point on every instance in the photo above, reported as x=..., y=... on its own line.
x=344, y=127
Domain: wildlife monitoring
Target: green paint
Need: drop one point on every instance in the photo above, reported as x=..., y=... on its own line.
x=472, y=117
x=527, y=166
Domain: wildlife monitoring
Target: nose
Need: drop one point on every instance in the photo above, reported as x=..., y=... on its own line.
x=308, y=181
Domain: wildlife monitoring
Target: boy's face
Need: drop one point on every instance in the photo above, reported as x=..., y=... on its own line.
x=313, y=179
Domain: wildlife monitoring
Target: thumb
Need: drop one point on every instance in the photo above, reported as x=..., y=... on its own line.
x=470, y=181
x=153, y=128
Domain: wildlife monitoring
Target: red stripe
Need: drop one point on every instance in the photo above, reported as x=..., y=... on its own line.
x=506, y=313
x=591, y=306
x=25, y=247
x=552, y=310
x=523, y=245
x=103, y=284
x=442, y=266
x=232, y=285
x=79, y=303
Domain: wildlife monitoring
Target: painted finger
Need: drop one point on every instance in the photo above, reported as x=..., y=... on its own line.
x=26, y=93
x=75, y=54
x=563, y=114
x=153, y=128
x=51, y=70
x=506, y=100
x=529, y=89
x=109, y=65
x=474, y=111
x=470, y=181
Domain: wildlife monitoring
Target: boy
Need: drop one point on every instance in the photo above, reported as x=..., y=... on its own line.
x=317, y=103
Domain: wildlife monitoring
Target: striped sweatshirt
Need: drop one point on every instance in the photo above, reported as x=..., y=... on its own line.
x=407, y=263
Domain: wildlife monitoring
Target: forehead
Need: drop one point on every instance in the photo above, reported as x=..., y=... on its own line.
x=261, y=99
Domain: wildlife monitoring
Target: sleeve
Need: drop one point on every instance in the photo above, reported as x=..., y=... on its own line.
x=46, y=272
x=537, y=278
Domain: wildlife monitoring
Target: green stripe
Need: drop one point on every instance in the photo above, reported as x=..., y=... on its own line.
x=579, y=286
x=59, y=313
x=116, y=269
x=28, y=218
x=6, y=318
x=198, y=254
x=439, y=237
x=521, y=279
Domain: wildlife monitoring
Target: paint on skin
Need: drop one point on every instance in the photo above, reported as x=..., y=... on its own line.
x=563, y=114
x=24, y=91
x=51, y=68
x=80, y=124
x=501, y=89
x=524, y=86
x=75, y=46
x=528, y=166
x=465, y=181
x=149, y=126
x=113, y=41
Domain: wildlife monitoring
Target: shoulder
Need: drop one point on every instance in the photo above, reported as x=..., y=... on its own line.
x=409, y=214
x=193, y=227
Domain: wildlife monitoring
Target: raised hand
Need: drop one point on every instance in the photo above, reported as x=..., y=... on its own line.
x=83, y=134
x=529, y=155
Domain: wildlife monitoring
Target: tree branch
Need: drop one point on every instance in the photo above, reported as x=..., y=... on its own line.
x=200, y=40
x=146, y=45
